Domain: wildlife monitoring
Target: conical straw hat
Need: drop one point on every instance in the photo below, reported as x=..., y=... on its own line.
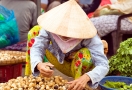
x=68, y=19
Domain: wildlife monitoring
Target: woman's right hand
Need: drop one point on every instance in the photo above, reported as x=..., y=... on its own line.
x=44, y=69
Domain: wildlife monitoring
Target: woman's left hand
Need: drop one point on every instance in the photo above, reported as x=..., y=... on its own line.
x=80, y=83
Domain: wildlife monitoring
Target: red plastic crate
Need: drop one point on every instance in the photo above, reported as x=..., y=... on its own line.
x=8, y=72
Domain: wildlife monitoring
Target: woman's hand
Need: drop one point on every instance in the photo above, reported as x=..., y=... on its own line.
x=44, y=69
x=80, y=83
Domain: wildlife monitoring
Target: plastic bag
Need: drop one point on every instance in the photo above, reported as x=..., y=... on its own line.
x=9, y=33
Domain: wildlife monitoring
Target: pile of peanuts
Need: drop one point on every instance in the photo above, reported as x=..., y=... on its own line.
x=35, y=83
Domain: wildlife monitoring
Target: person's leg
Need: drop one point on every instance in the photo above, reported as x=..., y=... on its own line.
x=108, y=23
x=105, y=24
x=79, y=65
x=126, y=25
x=65, y=68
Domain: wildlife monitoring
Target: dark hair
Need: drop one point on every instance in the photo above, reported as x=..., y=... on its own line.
x=50, y=1
x=89, y=8
x=62, y=1
x=92, y=7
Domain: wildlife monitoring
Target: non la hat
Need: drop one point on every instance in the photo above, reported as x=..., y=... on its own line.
x=68, y=19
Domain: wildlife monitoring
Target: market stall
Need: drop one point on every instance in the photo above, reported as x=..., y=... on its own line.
x=11, y=64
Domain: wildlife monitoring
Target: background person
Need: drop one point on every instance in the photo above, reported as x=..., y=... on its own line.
x=26, y=15
x=106, y=17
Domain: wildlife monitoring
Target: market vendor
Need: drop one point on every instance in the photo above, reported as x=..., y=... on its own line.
x=69, y=41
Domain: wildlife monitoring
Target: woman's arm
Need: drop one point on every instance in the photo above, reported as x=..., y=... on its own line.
x=99, y=59
x=37, y=51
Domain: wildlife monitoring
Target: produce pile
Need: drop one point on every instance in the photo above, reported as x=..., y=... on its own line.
x=12, y=57
x=35, y=83
x=121, y=62
x=118, y=85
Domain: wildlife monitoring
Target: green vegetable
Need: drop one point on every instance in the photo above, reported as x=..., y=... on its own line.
x=117, y=85
x=121, y=62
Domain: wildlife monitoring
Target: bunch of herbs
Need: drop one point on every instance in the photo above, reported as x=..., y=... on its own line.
x=122, y=61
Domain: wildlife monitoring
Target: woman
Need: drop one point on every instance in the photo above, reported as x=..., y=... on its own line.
x=106, y=17
x=76, y=50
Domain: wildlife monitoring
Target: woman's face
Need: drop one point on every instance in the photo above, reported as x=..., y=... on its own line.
x=64, y=38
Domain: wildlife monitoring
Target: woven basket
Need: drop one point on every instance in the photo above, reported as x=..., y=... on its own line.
x=12, y=57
